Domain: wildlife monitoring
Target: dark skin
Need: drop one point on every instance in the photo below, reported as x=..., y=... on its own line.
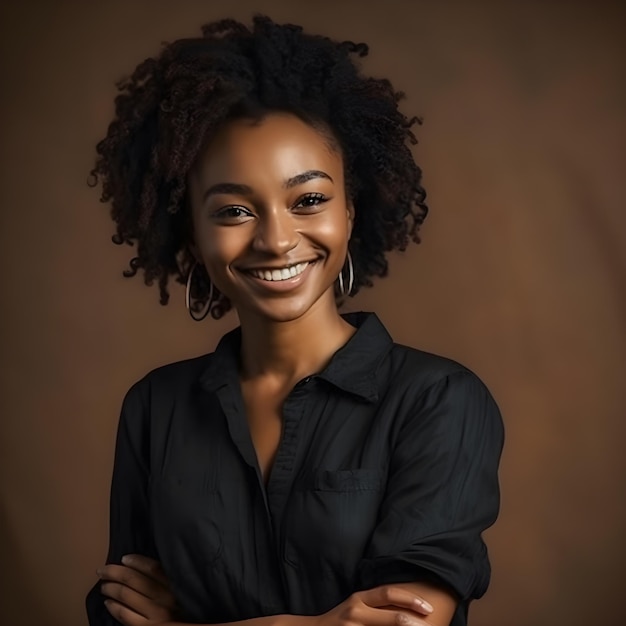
x=292, y=210
x=271, y=223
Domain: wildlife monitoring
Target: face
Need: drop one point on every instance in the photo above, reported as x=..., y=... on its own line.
x=270, y=216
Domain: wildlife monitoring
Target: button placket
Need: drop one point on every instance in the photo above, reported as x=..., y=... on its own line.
x=281, y=478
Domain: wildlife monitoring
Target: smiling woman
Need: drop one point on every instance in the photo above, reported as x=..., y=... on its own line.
x=309, y=471
x=275, y=244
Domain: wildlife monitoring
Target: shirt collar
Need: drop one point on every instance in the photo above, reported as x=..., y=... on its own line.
x=352, y=368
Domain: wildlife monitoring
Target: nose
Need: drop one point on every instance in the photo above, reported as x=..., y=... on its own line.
x=276, y=233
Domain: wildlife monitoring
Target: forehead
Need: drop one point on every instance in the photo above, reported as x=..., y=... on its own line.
x=279, y=145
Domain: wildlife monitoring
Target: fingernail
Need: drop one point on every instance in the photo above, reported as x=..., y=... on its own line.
x=99, y=573
x=425, y=605
x=126, y=560
x=107, y=603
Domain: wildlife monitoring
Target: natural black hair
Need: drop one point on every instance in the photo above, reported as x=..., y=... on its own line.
x=173, y=102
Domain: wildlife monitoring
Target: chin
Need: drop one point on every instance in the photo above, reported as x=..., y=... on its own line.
x=281, y=314
x=282, y=310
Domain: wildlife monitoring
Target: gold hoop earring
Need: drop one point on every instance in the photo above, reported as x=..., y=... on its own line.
x=209, y=303
x=343, y=292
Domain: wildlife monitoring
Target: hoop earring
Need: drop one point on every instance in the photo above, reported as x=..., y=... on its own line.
x=343, y=292
x=209, y=302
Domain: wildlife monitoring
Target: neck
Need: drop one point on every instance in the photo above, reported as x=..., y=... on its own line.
x=289, y=351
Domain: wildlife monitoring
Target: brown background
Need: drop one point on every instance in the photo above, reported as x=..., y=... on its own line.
x=522, y=276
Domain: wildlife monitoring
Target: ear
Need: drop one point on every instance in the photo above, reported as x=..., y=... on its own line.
x=350, y=211
x=193, y=249
x=188, y=229
x=190, y=235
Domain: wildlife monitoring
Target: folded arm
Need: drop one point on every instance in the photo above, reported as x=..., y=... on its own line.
x=140, y=596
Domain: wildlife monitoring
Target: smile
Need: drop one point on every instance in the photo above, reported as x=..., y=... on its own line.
x=284, y=273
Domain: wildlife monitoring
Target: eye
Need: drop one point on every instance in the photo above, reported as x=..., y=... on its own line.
x=234, y=213
x=311, y=200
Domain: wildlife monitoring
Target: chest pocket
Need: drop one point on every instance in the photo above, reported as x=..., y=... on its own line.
x=332, y=514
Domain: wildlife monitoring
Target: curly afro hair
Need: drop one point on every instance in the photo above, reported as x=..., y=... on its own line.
x=172, y=103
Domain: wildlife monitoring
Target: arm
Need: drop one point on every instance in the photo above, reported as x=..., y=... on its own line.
x=443, y=602
x=129, y=527
x=389, y=605
x=430, y=504
x=442, y=493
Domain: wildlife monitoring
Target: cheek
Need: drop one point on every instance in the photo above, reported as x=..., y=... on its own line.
x=334, y=234
x=218, y=249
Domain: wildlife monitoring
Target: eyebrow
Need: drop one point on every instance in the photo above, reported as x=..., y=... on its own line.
x=294, y=181
x=246, y=190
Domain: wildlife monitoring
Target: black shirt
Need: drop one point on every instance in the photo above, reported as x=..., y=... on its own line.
x=386, y=472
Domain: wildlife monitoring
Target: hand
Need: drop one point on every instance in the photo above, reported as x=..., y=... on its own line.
x=138, y=592
x=382, y=606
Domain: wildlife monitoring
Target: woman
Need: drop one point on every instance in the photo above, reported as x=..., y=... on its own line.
x=309, y=471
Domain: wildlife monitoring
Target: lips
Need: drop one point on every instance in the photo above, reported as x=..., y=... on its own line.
x=279, y=274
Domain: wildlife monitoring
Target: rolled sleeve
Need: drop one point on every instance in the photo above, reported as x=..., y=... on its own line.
x=442, y=492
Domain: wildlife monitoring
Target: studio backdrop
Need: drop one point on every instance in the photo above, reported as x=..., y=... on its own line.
x=521, y=276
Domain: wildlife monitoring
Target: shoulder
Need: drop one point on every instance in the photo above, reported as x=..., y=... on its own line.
x=433, y=387
x=179, y=372
x=170, y=379
x=163, y=394
x=418, y=371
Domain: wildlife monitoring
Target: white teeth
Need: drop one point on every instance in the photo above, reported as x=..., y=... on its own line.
x=283, y=274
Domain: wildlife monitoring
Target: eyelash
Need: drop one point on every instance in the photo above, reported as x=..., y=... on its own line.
x=319, y=198
x=226, y=212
